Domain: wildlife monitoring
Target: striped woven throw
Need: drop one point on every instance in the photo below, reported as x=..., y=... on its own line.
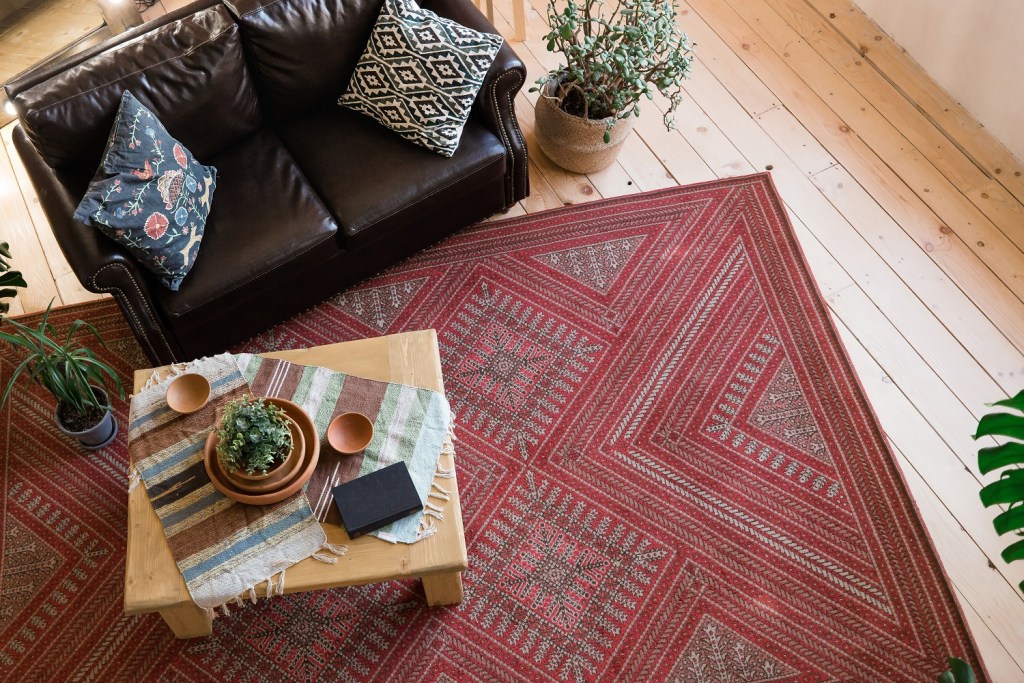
x=224, y=548
x=409, y=424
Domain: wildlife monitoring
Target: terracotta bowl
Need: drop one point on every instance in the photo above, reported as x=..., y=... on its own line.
x=188, y=393
x=276, y=477
x=310, y=456
x=349, y=433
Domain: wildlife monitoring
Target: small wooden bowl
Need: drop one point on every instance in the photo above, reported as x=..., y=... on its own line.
x=188, y=393
x=350, y=433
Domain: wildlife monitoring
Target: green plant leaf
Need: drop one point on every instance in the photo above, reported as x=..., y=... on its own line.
x=1015, y=402
x=1008, y=489
x=12, y=278
x=1001, y=424
x=1013, y=552
x=959, y=671
x=1011, y=520
x=994, y=457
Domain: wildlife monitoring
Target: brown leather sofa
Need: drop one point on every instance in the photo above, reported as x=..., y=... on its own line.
x=310, y=197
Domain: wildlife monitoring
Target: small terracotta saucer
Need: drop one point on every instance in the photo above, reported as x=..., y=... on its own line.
x=188, y=393
x=350, y=433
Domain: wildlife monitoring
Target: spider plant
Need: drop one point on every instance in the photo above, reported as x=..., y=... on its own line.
x=1009, y=488
x=64, y=368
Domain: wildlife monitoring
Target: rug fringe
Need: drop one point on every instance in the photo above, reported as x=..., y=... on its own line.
x=134, y=478
x=432, y=512
x=336, y=548
x=157, y=378
x=337, y=551
x=427, y=527
x=441, y=493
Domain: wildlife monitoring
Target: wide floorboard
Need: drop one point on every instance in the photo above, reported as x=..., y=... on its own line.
x=909, y=212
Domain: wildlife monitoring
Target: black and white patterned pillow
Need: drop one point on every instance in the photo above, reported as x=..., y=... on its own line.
x=420, y=74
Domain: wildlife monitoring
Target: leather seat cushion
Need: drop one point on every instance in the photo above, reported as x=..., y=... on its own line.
x=303, y=52
x=266, y=228
x=375, y=182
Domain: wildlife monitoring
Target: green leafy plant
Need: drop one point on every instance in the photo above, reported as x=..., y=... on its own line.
x=959, y=671
x=615, y=55
x=65, y=369
x=253, y=435
x=1009, y=488
x=9, y=279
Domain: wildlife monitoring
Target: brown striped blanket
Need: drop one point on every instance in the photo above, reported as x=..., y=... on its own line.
x=224, y=548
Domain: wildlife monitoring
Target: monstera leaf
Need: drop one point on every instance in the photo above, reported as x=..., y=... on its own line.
x=959, y=671
x=9, y=279
x=1009, y=489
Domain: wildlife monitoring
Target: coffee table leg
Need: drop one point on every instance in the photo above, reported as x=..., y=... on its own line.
x=443, y=589
x=188, y=621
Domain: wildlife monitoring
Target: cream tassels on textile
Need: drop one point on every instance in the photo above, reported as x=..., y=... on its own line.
x=337, y=549
x=276, y=587
x=157, y=377
x=432, y=512
x=133, y=477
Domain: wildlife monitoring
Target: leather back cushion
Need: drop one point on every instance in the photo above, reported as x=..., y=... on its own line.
x=303, y=52
x=191, y=73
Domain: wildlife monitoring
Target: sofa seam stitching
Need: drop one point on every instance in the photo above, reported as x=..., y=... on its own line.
x=137, y=72
x=501, y=127
x=261, y=8
x=131, y=310
x=515, y=124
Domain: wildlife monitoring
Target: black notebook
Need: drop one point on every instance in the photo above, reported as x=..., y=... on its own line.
x=376, y=499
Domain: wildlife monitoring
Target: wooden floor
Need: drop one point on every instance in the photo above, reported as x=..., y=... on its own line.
x=910, y=214
x=40, y=28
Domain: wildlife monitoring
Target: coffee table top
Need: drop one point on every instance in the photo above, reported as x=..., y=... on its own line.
x=152, y=580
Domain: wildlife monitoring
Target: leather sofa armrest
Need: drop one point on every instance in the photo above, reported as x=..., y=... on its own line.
x=100, y=264
x=496, y=101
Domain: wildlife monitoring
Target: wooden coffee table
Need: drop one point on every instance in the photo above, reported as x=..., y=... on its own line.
x=154, y=584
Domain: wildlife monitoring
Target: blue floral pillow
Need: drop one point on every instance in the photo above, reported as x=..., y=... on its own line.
x=150, y=194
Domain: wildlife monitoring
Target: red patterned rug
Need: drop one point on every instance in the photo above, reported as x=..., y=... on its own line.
x=669, y=472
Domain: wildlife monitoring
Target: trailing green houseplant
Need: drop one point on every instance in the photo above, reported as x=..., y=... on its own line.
x=615, y=55
x=253, y=436
x=72, y=373
x=1009, y=488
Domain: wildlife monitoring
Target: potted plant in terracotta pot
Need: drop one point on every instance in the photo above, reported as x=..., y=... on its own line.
x=615, y=55
x=71, y=373
x=257, y=444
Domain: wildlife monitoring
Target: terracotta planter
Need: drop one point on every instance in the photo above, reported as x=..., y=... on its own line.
x=282, y=489
x=99, y=435
x=575, y=143
x=276, y=477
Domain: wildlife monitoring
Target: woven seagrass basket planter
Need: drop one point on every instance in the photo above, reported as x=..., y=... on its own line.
x=575, y=143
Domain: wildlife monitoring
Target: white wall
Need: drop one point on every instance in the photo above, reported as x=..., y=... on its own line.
x=972, y=48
